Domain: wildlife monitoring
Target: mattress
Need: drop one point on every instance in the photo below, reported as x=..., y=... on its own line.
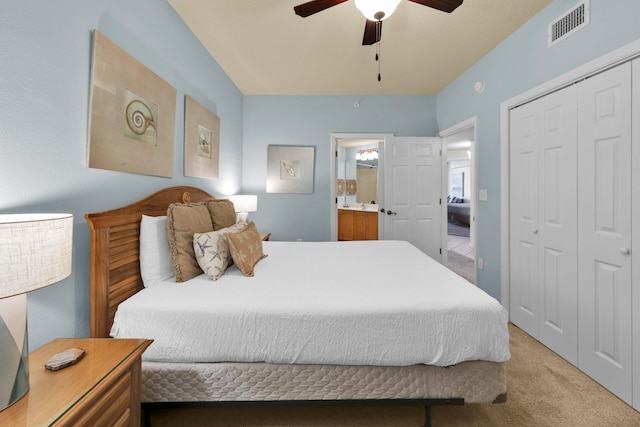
x=250, y=382
x=381, y=303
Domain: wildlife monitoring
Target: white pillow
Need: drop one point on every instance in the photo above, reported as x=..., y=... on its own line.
x=212, y=250
x=155, y=259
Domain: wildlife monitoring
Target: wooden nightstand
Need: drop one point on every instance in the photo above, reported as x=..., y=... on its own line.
x=103, y=388
x=265, y=236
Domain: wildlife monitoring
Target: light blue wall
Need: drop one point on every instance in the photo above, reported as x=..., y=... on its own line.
x=520, y=63
x=44, y=96
x=45, y=57
x=310, y=120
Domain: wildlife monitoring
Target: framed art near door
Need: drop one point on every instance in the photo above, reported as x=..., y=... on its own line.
x=290, y=169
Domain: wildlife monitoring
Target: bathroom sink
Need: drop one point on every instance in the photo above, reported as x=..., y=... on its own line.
x=368, y=207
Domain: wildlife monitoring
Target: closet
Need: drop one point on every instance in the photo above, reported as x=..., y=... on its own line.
x=571, y=204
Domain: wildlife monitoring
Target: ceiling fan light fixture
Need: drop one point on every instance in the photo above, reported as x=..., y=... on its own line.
x=377, y=10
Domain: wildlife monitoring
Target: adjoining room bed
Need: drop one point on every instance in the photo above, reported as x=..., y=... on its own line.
x=459, y=213
x=313, y=326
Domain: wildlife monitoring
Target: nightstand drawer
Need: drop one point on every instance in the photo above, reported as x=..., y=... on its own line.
x=112, y=407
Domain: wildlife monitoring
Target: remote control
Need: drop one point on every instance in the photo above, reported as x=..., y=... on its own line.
x=64, y=359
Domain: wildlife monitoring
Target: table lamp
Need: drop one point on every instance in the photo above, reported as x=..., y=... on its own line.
x=244, y=204
x=35, y=251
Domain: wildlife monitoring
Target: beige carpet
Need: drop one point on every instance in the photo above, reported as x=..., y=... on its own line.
x=544, y=390
x=461, y=265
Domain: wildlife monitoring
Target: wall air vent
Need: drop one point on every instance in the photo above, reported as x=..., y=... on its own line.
x=569, y=23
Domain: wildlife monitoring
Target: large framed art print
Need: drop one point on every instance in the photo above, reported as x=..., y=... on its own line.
x=132, y=114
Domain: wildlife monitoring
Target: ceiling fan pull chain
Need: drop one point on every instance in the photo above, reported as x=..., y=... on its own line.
x=378, y=38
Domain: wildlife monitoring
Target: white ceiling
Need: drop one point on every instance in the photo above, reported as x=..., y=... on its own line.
x=268, y=50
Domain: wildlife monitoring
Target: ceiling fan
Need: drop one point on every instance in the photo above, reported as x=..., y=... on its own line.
x=374, y=10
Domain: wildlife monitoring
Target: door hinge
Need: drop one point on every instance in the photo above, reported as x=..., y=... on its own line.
x=336, y=153
x=440, y=251
x=440, y=201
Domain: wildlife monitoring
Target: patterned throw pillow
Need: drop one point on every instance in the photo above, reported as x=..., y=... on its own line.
x=246, y=248
x=212, y=250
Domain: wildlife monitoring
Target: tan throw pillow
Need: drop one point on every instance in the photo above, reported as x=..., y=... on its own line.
x=183, y=220
x=223, y=213
x=246, y=248
x=212, y=250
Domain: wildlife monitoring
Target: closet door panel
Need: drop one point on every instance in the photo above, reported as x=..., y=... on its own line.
x=543, y=234
x=524, y=278
x=635, y=232
x=557, y=223
x=604, y=224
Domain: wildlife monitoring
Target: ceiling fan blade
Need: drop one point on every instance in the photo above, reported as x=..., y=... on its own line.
x=315, y=6
x=372, y=33
x=443, y=5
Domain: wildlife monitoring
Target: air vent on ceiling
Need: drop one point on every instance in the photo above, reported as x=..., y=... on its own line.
x=569, y=23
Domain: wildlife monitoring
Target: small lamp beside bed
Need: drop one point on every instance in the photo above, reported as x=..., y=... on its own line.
x=244, y=204
x=35, y=251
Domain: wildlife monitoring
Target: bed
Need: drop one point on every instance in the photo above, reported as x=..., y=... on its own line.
x=459, y=213
x=381, y=348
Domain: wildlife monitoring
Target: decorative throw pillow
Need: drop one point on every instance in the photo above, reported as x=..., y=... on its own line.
x=246, y=248
x=155, y=261
x=212, y=250
x=223, y=213
x=183, y=220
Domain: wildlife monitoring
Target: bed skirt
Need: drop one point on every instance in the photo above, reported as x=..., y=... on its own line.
x=476, y=381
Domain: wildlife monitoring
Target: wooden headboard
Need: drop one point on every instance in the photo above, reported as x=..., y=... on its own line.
x=115, y=251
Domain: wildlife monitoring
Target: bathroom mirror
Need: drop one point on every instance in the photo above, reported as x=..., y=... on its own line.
x=357, y=171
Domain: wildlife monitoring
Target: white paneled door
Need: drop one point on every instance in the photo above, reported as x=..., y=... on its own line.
x=543, y=221
x=524, y=190
x=412, y=192
x=558, y=247
x=635, y=233
x=604, y=224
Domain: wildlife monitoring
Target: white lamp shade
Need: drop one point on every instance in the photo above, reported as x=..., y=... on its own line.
x=371, y=8
x=35, y=251
x=245, y=203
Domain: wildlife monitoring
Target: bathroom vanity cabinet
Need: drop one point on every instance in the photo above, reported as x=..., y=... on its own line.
x=357, y=225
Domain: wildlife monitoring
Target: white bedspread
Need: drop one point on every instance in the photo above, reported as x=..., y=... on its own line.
x=349, y=303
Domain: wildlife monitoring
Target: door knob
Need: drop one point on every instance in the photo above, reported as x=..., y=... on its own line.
x=534, y=231
x=392, y=213
x=382, y=210
x=625, y=251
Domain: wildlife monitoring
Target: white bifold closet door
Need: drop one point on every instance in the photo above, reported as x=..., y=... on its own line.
x=543, y=211
x=635, y=232
x=604, y=228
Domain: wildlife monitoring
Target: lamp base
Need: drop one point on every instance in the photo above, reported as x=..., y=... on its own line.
x=242, y=216
x=14, y=352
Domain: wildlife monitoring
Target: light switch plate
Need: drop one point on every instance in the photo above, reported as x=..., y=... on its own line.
x=483, y=195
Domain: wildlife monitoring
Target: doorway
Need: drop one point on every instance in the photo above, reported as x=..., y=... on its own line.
x=409, y=192
x=459, y=188
x=356, y=178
